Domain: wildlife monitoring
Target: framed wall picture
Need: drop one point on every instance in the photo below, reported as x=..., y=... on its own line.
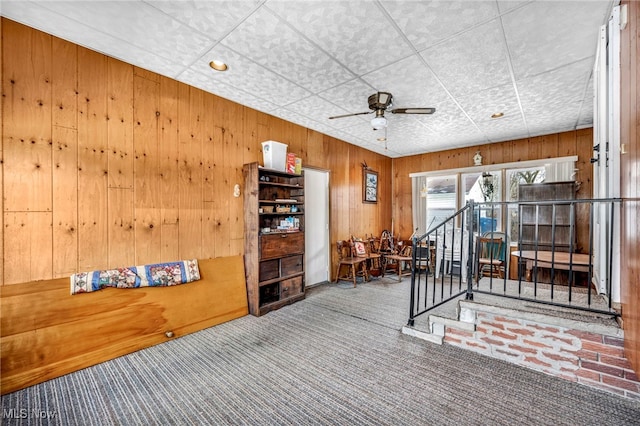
x=369, y=186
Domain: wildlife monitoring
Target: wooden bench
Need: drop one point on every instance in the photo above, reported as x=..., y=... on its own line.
x=46, y=332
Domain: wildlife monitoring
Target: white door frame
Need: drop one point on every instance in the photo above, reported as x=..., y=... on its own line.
x=317, y=241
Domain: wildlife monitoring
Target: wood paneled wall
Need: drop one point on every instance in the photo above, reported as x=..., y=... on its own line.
x=105, y=164
x=630, y=184
x=578, y=142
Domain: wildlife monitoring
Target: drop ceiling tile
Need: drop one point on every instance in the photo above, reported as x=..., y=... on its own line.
x=300, y=119
x=363, y=131
x=586, y=112
x=498, y=129
x=449, y=119
x=565, y=32
x=135, y=23
x=426, y=23
x=350, y=96
x=473, y=61
x=507, y=5
x=344, y=136
x=357, y=33
x=463, y=136
x=410, y=81
x=319, y=109
x=251, y=77
x=554, y=99
x=274, y=45
x=213, y=18
x=480, y=105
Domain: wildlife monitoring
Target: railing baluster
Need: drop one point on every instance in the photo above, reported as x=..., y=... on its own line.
x=553, y=247
x=571, y=247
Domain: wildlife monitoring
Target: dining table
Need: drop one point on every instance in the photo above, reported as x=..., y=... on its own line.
x=575, y=262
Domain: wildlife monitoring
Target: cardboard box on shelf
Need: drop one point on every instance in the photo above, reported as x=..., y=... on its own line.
x=291, y=163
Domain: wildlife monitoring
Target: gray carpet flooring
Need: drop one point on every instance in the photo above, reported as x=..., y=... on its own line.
x=336, y=358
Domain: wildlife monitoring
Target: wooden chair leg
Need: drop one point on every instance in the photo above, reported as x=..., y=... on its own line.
x=365, y=271
x=353, y=274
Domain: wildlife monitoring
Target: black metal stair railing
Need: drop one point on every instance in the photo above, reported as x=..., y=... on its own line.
x=445, y=259
x=441, y=249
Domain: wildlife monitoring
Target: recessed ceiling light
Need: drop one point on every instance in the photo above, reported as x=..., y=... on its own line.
x=218, y=65
x=497, y=115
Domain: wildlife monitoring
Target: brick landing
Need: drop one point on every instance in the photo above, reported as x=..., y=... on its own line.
x=588, y=353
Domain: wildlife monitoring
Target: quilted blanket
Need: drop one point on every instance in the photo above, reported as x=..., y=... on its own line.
x=152, y=275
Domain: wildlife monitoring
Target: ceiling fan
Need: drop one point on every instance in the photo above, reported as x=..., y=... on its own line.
x=378, y=103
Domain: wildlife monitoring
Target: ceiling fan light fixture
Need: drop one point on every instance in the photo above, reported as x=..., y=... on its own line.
x=497, y=115
x=378, y=123
x=218, y=65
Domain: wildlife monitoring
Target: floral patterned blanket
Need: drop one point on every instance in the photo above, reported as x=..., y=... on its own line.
x=153, y=275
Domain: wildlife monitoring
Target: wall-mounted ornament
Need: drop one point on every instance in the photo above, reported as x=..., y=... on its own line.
x=477, y=159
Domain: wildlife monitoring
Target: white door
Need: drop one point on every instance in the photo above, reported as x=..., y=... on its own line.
x=316, y=226
x=606, y=170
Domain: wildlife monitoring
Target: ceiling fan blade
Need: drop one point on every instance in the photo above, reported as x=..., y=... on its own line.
x=350, y=115
x=413, y=110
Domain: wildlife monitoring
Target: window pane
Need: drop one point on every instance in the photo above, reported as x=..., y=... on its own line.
x=514, y=178
x=517, y=176
x=485, y=188
x=471, y=187
x=441, y=199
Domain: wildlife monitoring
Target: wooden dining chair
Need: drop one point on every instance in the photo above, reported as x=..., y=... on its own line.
x=490, y=257
x=400, y=261
x=350, y=266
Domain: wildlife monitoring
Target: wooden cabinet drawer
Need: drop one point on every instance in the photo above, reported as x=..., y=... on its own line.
x=269, y=269
x=291, y=265
x=291, y=287
x=278, y=245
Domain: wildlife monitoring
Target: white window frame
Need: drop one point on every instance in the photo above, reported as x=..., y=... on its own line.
x=548, y=163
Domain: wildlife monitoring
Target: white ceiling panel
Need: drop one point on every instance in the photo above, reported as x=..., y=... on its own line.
x=586, y=113
x=565, y=32
x=354, y=32
x=473, y=61
x=411, y=82
x=269, y=41
x=222, y=89
x=306, y=60
x=507, y=5
x=319, y=110
x=479, y=106
x=426, y=23
x=251, y=77
x=214, y=18
x=568, y=85
x=350, y=96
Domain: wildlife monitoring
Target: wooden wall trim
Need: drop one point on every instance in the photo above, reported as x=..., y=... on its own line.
x=630, y=181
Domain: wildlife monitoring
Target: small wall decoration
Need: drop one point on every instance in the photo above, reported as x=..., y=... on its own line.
x=369, y=186
x=477, y=159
